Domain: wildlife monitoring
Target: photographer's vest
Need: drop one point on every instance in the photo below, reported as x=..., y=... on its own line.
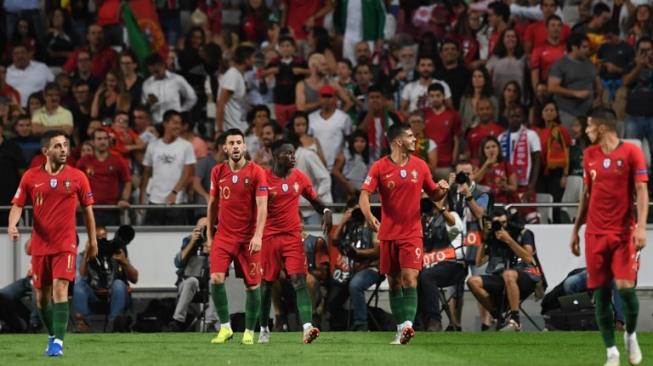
x=472, y=237
x=437, y=245
x=360, y=237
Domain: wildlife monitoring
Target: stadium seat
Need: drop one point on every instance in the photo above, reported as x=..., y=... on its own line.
x=545, y=213
x=572, y=195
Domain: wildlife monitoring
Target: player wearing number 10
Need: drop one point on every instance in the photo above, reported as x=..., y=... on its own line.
x=399, y=178
x=239, y=199
x=54, y=190
x=614, y=172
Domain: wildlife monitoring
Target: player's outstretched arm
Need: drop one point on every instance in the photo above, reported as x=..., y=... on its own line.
x=642, y=214
x=14, y=216
x=89, y=220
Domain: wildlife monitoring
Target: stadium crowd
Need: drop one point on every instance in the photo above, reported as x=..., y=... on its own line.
x=496, y=93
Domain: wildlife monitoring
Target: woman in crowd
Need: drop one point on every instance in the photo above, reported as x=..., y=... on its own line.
x=58, y=42
x=496, y=173
x=508, y=62
x=107, y=98
x=351, y=165
x=480, y=86
x=511, y=94
x=298, y=132
x=319, y=42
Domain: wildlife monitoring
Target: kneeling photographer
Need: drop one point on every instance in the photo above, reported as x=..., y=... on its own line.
x=513, y=268
x=355, y=269
x=192, y=276
x=106, y=278
x=443, y=261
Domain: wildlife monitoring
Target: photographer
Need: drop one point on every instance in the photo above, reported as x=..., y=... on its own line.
x=512, y=266
x=105, y=278
x=356, y=268
x=442, y=262
x=192, y=276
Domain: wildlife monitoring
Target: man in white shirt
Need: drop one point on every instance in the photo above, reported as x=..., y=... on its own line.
x=329, y=125
x=164, y=90
x=231, y=105
x=414, y=96
x=25, y=75
x=170, y=162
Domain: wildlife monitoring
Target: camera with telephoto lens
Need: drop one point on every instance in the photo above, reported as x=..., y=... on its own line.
x=124, y=235
x=462, y=178
x=199, y=244
x=352, y=239
x=102, y=269
x=499, y=252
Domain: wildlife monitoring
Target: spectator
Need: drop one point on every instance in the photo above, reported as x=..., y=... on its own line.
x=425, y=148
x=165, y=90
x=498, y=18
x=484, y=127
x=521, y=147
x=363, y=77
x=143, y=125
x=464, y=32
x=169, y=161
x=14, y=313
x=108, y=97
x=193, y=277
x=639, y=24
x=574, y=82
x=87, y=149
x=302, y=15
x=537, y=33
x=307, y=91
x=52, y=116
x=496, y=173
x=24, y=34
x=351, y=165
x=35, y=102
x=376, y=121
x=453, y=72
x=541, y=96
x=58, y=41
x=544, y=56
x=106, y=173
x=257, y=117
x=231, y=102
x=83, y=71
x=361, y=20
x=103, y=279
x=102, y=57
x=403, y=72
x=593, y=28
x=479, y=87
x=415, y=94
x=12, y=166
x=615, y=56
x=511, y=95
x=508, y=62
x=443, y=127
x=7, y=90
x=29, y=144
x=319, y=41
x=575, y=179
x=125, y=142
x=288, y=70
x=81, y=110
x=28, y=9
x=263, y=155
x=26, y=75
x=298, y=133
x=202, y=176
x=191, y=66
x=329, y=125
x=639, y=109
x=65, y=84
x=253, y=21
x=129, y=77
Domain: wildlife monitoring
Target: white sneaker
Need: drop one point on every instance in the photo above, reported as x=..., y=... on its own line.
x=632, y=349
x=397, y=339
x=613, y=359
x=264, y=336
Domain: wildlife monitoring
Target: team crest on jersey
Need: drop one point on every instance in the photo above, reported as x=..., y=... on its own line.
x=620, y=163
x=296, y=187
x=284, y=187
x=53, y=183
x=90, y=171
x=368, y=180
x=67, y=185
x=403, y=173
x=606, y=163
x=234, y=179
x=414, y=174
x=246, y=181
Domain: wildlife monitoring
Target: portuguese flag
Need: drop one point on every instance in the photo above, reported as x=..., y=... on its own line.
x=144, y=32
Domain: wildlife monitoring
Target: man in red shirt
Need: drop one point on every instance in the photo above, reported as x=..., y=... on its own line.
x=536, y=33
x=543, y=57
x=54, y=190
x=103, y=57
x=443, y=127
x=614, y=172
x=399, y=178
x=7, y=90
x=283, y=236
x=484, y=128
x=239, y=198
x=106, y=173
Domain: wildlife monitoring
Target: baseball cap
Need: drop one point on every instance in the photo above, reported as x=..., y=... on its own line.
x=327, y=90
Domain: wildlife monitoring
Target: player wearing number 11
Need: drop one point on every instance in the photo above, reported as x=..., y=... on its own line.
x=399, y=178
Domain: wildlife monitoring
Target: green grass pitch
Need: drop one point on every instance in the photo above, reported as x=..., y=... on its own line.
x=336, y=348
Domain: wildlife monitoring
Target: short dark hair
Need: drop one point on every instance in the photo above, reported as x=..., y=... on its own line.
x=51, y=86
x=288, y=39
x=95, y=131
x=604, y=116
x=257, y=108
x=276, y=145
x=395, y=131
x=553, y=17
x=499, y=211
x=80, y=82
x=500, y=9
x=599, y=9
x=242, y=53
x=221, y=140
x=450, y=41
x=167, y=116
x=375, y=88
x=643, y=40
x=576, y=39
x=436, y=87
x=612, y=28
x=153, y=59
x=49, y=135
x=233, y=132
x=347, y=62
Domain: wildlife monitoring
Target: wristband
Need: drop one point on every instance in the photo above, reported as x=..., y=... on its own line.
x=326, y=210
x=469, y=198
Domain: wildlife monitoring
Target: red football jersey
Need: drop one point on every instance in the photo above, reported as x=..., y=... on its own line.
x=105, y=177
x=537, y=34
x=400, y=190
x=283, y=201
x=477, y=134
x=611, y=179
x=442, y=128
x=237, y=192
x=54, y=198
x=545, y=56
